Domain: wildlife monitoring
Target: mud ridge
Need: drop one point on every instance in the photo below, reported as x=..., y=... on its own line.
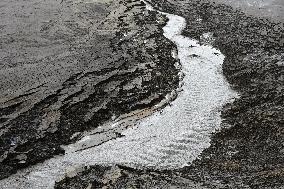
x=110, y=79
x=248, y=154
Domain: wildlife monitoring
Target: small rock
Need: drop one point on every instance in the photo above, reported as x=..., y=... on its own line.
x=22, y=158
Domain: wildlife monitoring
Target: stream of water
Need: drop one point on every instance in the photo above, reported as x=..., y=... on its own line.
x=168, y=139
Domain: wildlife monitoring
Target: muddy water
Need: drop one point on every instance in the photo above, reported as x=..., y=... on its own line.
x=168, y=139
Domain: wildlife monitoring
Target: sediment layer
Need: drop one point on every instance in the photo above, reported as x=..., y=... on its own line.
x=249, y=153
x=78, y=66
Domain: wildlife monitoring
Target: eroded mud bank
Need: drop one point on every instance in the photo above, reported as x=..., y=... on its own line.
x=73, y=68
x=166, y=140
x=249, y=154
x=177, y=135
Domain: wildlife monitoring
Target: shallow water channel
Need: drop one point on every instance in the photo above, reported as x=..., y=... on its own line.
x=167, y=139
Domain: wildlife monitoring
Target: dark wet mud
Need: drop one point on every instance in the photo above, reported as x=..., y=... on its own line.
x=73, y=68
x=248, y=153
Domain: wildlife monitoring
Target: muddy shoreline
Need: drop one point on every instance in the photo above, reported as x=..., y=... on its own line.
x=35, y=122
x=249, y=154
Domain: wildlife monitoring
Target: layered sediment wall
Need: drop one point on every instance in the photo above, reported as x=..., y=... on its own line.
x=246, y=155
x=249, y=153
x=73, y=68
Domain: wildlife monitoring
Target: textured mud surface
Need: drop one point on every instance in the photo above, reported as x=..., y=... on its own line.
x=167, y=139
x=118, y=177
x=83, y=71
x=68, y=66
x=249, y=154
x=271, y=9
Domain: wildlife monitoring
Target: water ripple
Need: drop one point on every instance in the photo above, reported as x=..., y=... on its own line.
x=168, y=139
